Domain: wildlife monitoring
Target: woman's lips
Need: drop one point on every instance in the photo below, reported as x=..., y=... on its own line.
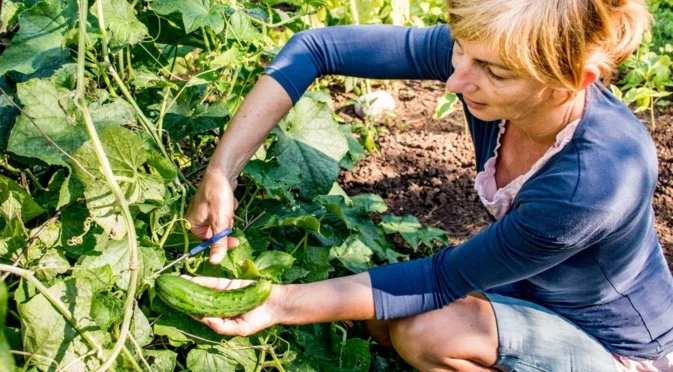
x=474, y=105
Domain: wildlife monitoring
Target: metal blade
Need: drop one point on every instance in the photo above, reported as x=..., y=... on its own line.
x=195, y=250
x=170, y=265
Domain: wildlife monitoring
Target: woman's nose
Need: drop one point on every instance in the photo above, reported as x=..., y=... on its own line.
x=460, y=82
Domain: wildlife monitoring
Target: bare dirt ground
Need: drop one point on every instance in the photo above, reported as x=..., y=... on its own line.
x=426, y=167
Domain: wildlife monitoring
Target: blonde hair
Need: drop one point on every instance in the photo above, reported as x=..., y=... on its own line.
x=553, y=40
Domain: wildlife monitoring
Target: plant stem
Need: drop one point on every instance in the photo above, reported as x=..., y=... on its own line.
x=302, y=242
x=260, y=361
x=60, y=306
x=277, y=361
x=34, y=179
x=139, y=351
x=205, y=39
x=24, y=354
x=105, y=168
x=132, y=74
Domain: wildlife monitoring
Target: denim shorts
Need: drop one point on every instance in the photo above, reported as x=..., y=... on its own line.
x=533, y=338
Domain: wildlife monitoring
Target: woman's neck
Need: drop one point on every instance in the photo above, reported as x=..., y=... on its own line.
x=543, y=125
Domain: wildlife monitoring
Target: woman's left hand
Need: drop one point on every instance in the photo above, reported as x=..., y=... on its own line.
x=264, y=316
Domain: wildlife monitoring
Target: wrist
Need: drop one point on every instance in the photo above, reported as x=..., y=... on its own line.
x=283, y=299
x=219, y=170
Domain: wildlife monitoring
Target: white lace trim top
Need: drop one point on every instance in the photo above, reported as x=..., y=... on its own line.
x=499, y=201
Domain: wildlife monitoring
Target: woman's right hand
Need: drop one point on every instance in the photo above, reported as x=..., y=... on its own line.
x=212, y=210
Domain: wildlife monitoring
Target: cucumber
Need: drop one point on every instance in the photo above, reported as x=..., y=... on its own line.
x=191, y=298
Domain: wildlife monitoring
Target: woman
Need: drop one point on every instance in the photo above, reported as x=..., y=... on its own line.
x=570, y=276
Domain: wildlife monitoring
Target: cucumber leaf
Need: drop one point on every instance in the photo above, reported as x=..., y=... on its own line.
x=161, y=360
x=45, y=332
x=309, y=138
x=41, y=36
x=54, y=112
x=195, y=13
x=117, y=255
x=26, y=207
x=122, y=25
x=353, y=254
x=126, y=154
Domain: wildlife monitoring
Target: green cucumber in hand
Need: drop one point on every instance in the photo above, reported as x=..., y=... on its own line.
x=191, y=298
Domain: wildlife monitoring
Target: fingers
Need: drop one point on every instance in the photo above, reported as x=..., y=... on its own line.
x=229, y=326
x=220, y=283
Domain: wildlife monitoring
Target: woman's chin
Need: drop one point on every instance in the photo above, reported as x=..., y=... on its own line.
x=483, y=115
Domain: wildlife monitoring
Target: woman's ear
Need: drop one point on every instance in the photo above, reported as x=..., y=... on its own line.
x=591, y=74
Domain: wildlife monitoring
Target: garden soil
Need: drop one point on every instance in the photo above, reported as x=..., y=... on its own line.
x=426, y=167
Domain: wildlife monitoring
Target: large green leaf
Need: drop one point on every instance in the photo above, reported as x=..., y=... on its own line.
x=41, y=36
x=27, y=208
x=326, y=351
x=183, y=120
x=313, y=265
x=309, y=138
x=370, y=203
x=45, y=332
x=106, y=308
x=8, y=113
x=141, y=328
x=270, y=264
x=195, y=13
x=53, y=110
x=161, y=360
x=217, y=358
x=412, y=231
x=126, y=154
x=121, y=22
x=117, y=255
x=275, y=178
x=180, y=328
x=11, y=10
x=427, y=236
x=353, y=254
x=242, y=28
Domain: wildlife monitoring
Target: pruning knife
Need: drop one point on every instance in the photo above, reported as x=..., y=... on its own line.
x=197, y=249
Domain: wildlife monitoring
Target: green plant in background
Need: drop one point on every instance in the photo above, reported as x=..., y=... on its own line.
x=108, y=110
x=662, y=30
x=647, y=79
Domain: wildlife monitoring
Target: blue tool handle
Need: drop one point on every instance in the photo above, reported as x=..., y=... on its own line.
x=210, y=241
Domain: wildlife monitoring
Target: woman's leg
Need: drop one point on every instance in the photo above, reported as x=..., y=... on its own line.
x=493, y=333
x=460, y=337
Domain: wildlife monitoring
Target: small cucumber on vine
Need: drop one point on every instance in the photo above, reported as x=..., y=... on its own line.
x=191, y=298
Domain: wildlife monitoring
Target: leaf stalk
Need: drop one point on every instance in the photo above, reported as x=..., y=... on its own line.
x=105, y=168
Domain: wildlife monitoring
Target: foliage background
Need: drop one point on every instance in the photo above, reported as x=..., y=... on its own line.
x=109, y=110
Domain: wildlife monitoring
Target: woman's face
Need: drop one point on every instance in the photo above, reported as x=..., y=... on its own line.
x=491, y=90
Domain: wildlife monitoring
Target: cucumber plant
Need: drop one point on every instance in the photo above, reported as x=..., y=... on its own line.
x=109, y=111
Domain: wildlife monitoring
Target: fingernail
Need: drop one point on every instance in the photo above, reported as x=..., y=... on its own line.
x=216, y=258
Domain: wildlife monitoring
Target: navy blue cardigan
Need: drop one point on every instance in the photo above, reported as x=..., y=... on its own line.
x=580, y=238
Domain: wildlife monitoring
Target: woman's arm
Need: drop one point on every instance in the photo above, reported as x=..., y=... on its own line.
x=374, y=51
x=366, y=51
x=346, y=298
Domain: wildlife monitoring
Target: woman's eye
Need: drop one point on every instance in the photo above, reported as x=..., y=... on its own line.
x=496, y=77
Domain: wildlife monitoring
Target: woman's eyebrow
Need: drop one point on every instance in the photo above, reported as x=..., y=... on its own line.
x=484, y=62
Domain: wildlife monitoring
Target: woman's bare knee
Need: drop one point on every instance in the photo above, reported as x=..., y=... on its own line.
x=462, y=331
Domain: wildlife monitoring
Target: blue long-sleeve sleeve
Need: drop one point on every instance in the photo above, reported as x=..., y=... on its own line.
x=377, y=52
